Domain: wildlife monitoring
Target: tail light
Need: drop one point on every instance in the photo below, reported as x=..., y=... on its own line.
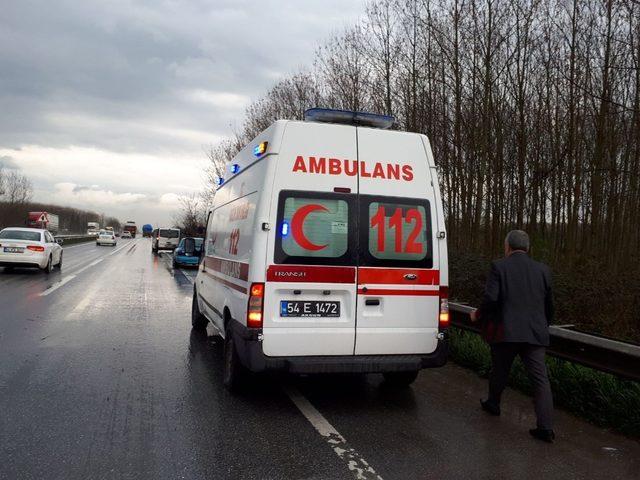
x=35, y=248
x=255, y=305
x=443, y=320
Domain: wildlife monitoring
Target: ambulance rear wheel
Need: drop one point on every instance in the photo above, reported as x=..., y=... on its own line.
x=400, y=379
x=234, y=372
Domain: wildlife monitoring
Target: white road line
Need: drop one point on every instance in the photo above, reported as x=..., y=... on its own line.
x=358, y=465
x=56, y=286
x=82, y=244
x=67, y=279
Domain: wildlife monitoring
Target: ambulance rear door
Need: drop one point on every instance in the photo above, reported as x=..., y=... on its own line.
x=310, y=292
x=398, y=275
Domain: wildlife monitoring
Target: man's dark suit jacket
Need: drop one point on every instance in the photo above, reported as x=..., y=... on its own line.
x=517, y=305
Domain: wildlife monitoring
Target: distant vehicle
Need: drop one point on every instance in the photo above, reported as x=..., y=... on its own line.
x=110, y=229
x=106, y=237
x=93, y=228
x=43, y=220
x=147, y=229
x=188, y=252
x=130, y=226
x=126, y=234
x=165, y=239
x=336, y=259
x=29, y=248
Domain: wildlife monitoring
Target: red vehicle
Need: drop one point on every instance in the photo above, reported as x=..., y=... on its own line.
x=45, y=220
x=130, y=227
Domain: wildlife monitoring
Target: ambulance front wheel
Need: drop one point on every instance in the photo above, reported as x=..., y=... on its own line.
x=400, y=379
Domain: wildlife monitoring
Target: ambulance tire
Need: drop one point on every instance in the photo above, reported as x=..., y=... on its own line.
x=234, y=374
x=198, y=321
x=400, y=379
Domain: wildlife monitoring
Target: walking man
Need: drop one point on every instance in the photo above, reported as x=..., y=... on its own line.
x=515, y=313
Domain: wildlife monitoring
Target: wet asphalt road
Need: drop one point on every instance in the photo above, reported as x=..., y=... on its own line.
x=103, y=378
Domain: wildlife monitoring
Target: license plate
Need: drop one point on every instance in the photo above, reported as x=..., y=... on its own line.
x=297, y=308
x=13, y=249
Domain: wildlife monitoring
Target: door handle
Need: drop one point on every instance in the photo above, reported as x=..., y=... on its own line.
x=372, y=301
x=410, y=276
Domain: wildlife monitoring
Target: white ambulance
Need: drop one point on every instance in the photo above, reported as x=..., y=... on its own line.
x=325, y=251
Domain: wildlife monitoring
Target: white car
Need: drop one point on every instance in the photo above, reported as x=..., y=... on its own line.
x=29, y=248
x=126, y=235
x=106, y=237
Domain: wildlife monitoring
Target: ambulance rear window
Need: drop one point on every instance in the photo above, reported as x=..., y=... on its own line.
x=396, y=231
x=315, y=228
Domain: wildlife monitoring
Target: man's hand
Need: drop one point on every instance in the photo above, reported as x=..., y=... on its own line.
x=473, y=315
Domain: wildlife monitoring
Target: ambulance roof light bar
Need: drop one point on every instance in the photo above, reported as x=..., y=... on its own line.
x=364, y=119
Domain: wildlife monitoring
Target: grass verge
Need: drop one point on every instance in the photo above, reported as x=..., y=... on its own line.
x=598, y=397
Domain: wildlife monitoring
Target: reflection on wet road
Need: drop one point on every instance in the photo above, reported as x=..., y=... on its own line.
x=103, y=378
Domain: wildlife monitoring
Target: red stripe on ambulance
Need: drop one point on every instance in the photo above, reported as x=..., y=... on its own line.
x=295, y=273
x=368, y=275
x=391, y=291
x=230, y=268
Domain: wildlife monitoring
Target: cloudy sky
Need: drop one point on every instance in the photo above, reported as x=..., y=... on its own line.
x=109, y=105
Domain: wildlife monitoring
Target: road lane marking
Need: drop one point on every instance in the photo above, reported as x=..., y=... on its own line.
x=358, y=465
x=56, y=286
x=68, y=278
x=82, y=244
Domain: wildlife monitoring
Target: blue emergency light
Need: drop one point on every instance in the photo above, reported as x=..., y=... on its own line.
x=284, y=230
x=260, y=149
x=364, y=119
x=235, y=168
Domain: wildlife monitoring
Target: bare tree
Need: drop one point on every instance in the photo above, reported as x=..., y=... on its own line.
x=533, y=111
x=192, y=215
x=15, y=187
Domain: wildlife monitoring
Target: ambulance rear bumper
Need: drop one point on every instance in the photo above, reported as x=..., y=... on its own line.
x=249, y=349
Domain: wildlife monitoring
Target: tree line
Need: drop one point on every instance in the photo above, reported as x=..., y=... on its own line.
x=532, y=108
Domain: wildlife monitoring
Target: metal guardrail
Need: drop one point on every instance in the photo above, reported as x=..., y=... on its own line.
x=603, y=354
x=71, y=239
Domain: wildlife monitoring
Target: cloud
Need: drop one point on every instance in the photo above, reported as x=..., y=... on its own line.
x=224, y=100
x=94, y=196
x=9, y=163
x=170, y=199
x=126, y=93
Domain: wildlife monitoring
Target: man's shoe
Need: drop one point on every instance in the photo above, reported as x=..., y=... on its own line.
x=543, y=434
x=490, y=407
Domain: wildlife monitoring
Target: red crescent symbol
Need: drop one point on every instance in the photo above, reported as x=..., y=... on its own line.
x=297, y=222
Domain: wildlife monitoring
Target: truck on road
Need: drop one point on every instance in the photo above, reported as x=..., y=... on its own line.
x=44, y=220
x=147, y=229
x=130, y=226
x=93, y=228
